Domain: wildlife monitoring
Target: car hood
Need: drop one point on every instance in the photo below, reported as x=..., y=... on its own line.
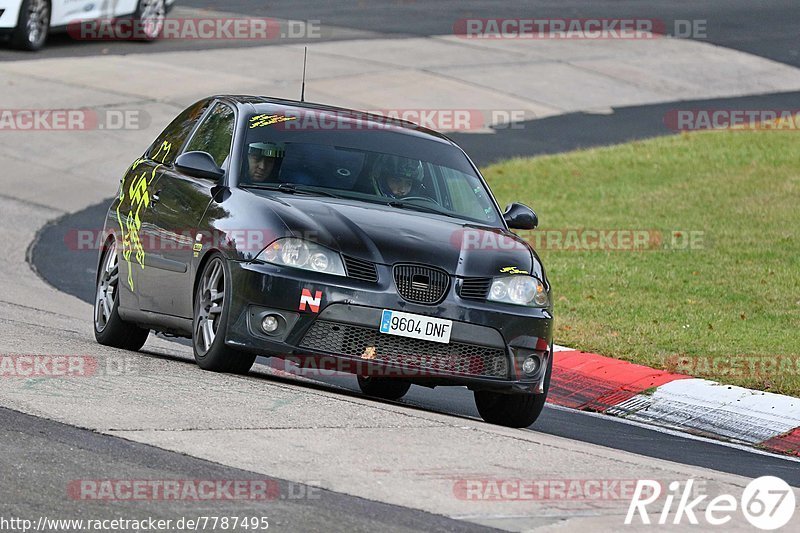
x=390, y=235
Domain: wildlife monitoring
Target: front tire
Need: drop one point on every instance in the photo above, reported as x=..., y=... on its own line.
x=384, y=388
x=513, y=410
x=109, y=328
x=149, y=16
x=211, y=306
x=33, y=25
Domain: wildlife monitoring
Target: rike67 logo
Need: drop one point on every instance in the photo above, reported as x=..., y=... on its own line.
x=768, y=503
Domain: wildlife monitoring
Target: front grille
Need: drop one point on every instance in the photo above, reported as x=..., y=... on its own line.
x=421, y=284
x=360, y=269
x=475, y=288
x=435, y=357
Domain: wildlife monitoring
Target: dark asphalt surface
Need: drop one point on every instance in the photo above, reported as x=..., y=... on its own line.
x=582, y=130
x=768, y=28
x=41, y=460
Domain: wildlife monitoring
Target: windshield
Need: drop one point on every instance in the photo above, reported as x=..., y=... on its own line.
x=376, y=166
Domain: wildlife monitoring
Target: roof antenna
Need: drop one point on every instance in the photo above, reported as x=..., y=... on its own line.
x=303, y=87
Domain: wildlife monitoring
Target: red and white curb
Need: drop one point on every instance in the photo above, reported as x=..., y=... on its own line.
x=592, y=382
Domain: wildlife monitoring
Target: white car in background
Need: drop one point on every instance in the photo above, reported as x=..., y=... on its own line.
x=28, y=22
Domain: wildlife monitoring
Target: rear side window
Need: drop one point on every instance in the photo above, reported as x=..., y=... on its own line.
x=165, y=148
x=215, y=134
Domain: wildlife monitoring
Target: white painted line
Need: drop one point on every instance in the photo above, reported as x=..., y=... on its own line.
x=559, y=348
x=674, y=433
x=700, y=405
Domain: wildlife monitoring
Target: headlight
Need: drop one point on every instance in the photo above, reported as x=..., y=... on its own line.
x=307, y=255
x=519, y=290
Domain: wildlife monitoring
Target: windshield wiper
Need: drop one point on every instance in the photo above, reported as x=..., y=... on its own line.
x=418, y=207
x=290, y=188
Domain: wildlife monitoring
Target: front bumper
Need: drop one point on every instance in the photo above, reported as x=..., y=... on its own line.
x=489, y=341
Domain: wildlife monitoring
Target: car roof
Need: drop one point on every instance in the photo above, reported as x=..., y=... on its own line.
x=269, y=104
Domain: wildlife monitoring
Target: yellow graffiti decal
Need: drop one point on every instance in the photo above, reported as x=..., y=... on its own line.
x=512, y=270
x=131, y=223
x=268, y=120
x=166, y=146
x=137, y=163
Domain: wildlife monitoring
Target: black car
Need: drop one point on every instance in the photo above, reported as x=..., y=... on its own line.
x=330, y=237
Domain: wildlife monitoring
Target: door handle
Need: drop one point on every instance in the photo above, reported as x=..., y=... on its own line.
x=155, y=198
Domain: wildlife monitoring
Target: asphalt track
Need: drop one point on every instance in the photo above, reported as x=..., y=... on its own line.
x=767, y=28
x=63, y=454
x=769, y=31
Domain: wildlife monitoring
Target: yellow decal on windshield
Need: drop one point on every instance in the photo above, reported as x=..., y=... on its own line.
x=268, y=120
x=512, y=270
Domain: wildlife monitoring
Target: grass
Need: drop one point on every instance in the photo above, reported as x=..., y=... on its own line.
x=727, y=308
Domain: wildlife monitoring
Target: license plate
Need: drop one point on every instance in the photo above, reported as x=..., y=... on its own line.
x=416, y=326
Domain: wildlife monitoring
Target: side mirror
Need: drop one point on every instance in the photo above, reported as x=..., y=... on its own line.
x=520, y=216
x=199, y=165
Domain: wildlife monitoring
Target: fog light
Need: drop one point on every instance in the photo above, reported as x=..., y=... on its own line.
x=531, y=366
x=270, y=324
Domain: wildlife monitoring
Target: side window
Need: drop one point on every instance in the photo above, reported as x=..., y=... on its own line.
x=215, y=134
x=166, y=146
x=467, y=197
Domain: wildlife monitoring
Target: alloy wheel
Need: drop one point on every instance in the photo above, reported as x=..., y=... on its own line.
x=107, y=284
x=38, y=21
x=211, y=298
x=151, y=17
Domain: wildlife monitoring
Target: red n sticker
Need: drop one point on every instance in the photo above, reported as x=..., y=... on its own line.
x=313, y=302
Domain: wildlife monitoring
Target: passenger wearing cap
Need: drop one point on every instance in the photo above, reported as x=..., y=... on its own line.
x=264, y=162
x=401, y=180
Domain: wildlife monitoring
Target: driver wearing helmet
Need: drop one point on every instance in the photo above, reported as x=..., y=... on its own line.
x=263, y=162
x=400, y=179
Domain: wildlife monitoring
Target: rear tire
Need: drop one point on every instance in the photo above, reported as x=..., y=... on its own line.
x=513, y=410
x=384, y=388
x=109, y=328
x=33, y=25
x=211, y=306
